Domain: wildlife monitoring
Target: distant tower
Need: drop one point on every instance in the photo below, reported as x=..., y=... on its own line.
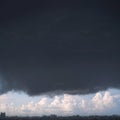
x=2, y=115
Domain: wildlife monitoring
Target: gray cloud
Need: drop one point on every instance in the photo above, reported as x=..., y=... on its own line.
x=73, y=49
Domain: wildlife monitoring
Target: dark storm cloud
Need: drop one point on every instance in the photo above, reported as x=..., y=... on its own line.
x=68, y=47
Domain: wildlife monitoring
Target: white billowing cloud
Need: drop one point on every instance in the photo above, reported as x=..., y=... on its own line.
x=3, y=102
x=103, y=103
x=100, y=103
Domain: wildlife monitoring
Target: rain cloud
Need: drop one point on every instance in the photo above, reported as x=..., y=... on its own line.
x=61, y=47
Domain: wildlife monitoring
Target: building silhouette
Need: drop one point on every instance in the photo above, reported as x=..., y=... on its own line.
x=2, y=115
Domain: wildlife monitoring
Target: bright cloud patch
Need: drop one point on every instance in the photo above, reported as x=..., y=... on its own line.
x=101, y=103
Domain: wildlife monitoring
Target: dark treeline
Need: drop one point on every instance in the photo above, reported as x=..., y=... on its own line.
x=53, y=117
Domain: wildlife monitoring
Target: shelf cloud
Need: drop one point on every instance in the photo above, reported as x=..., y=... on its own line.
x=62, y=48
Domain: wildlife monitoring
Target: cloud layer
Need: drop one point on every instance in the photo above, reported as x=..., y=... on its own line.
x=62, y=47
x=101, y=103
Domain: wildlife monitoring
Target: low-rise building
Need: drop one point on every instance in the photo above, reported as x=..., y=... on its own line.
x=2, y=115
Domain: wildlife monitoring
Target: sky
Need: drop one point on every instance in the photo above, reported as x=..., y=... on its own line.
x=66, y=49
x=100, y=103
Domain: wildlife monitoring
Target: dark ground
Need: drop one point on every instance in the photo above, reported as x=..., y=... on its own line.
x=53, y=117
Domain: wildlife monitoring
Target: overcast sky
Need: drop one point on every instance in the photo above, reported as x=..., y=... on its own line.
x=59, y=48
